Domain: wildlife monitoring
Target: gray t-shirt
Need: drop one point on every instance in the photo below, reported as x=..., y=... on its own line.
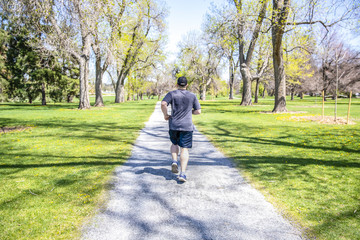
x=182, y=103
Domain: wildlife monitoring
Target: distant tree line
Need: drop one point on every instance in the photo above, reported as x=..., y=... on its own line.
x=49, y=44
x=279, y=47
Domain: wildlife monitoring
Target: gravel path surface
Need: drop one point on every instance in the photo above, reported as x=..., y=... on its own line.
x=147, y=202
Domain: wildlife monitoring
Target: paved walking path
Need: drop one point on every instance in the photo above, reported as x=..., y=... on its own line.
x=147, y=202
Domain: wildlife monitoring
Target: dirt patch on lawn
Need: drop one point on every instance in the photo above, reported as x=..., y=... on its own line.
x=319, y=119
x=291, y=112
x=14, y=129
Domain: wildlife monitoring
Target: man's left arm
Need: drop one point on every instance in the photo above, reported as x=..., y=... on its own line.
x=196, y=107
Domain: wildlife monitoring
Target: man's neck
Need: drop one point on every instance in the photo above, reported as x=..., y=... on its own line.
x=181, y=88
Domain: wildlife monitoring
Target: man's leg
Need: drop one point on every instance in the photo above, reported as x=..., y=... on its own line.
x=184, y=159
x=174, y=149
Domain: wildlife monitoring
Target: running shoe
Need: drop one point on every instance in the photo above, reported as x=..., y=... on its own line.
x=182, y=177
x=174, y=167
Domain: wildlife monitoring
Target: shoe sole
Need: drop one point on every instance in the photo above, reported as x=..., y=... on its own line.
x=174, y=168
x=181, y=179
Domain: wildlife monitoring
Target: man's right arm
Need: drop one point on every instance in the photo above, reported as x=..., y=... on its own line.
x=196, y=112
x=164, y=110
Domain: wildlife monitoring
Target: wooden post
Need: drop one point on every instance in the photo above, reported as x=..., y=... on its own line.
x=348, y=115
x=337, y=86
x=323, y=105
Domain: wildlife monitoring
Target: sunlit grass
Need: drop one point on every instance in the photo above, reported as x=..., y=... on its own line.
x=310, y=171
x=54, y=175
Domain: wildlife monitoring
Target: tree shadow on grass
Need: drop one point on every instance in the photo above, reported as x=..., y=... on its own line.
x=31, y=107
x=63, y=164
x=331, y=221
x=290, y=171
x=227, y=132
x=5, y=122
x=291, y=162
x=103, y=131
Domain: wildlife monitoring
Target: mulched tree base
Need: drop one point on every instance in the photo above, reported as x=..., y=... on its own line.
x=326, y=120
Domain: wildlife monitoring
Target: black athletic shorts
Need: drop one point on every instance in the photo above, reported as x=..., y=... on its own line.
x=181, y=138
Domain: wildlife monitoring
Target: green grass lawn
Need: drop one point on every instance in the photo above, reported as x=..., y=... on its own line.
x=310, y=171
x=54, y=175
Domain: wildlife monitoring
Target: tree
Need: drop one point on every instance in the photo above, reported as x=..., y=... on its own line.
x=101, y=45
x=35, y=74
x=62, y=26
x=199, y=63
x=22, y=63
x=245, y=60
x=140, y=40
x=262, y=53
x=33, y=69
x=219, y=26
x=285, y=15
x=297, y=60
x=66, y=84
x=4, y=73
x=164, y=80
x=280, y=15
x=338, y=65
x=74, y=11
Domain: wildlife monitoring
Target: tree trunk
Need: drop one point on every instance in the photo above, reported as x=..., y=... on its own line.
x=246, y=76
x=231, y=95
x=280, y=82
x=279, y=18
x=263, y=92
x=301, y=95
x=29, y=97
x=99, y=102
x=43, y=94
x=292, y=94
x=69, y=98
x=245, y=63
x=324, y=78
x=84, y=101
x=119, y=93
x=257, y=91
x=203, y=92
x=231, y=78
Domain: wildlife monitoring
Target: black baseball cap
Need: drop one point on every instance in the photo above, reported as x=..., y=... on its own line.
x=182, y=81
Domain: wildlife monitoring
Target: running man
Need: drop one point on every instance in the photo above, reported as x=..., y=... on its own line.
x=183, y=105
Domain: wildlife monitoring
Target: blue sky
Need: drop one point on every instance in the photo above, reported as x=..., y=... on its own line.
x=185, y=16
x=188, y=15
